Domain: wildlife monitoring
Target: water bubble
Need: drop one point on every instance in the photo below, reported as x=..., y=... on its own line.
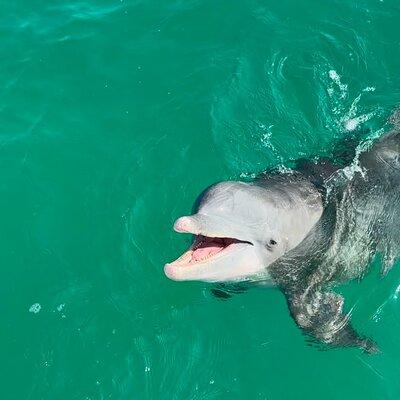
x=35, y=308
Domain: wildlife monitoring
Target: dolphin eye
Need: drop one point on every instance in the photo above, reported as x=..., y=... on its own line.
x=272, y=242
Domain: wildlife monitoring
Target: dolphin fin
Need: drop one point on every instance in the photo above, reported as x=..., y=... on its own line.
x=320, y=314
x=226, y=291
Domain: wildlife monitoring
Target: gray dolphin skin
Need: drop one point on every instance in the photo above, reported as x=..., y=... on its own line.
x=303, y=230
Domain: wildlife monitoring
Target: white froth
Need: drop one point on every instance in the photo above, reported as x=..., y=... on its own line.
x=353, y=123
x=336, y=79
x=248, y=175
x=333, y=75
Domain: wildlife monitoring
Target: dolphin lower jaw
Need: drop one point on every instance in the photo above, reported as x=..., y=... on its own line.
x=206, y=259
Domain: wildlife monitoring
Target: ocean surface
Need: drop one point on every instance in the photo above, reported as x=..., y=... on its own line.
x=114, y=116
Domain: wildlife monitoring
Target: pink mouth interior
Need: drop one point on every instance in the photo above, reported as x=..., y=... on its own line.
x=205, y=247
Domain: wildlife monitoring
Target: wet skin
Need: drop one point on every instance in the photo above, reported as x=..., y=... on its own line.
x=303, y=231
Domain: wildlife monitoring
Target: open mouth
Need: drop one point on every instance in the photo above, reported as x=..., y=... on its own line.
x=205, y=248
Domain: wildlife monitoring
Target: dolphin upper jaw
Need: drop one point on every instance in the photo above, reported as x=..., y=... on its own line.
x=216, y=226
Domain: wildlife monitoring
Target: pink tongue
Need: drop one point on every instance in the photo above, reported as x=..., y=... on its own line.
x=203, y=252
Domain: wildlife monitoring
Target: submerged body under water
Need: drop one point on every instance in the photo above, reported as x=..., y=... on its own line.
x=114, y=116
x=360, y=222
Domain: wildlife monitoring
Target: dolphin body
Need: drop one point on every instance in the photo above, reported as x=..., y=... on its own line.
x=304, y=231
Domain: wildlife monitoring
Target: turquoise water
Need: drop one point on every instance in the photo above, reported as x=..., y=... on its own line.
x=114, y=115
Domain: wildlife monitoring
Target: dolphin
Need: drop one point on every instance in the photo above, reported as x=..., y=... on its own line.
x=303, y=230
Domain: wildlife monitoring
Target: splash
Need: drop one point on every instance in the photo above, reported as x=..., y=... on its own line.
x=266, y=136
x=349, y=121
x=337, y=80
x=353, y=123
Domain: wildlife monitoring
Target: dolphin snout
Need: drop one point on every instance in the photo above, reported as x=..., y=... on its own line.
x=171, y=272
x=186, y=224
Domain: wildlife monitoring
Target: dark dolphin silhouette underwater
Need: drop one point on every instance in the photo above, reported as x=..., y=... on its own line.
x=303, y=230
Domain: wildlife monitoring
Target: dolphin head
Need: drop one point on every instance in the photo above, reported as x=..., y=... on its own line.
x=241, y=228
